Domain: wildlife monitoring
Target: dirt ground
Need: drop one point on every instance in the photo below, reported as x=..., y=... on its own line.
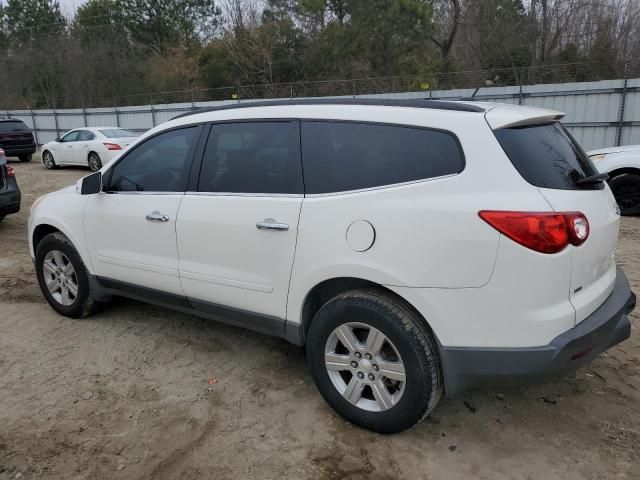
x=126, y=394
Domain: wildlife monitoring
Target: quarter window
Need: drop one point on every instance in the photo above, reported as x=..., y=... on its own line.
x=160, y=164
x=342, y=156
x=252, y=157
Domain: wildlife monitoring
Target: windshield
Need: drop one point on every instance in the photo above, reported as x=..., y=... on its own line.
x=547, y=156
x=117, y=133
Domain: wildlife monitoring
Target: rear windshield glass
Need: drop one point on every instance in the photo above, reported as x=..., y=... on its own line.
x=547, y=156
x=117, y=133
x=13, y=126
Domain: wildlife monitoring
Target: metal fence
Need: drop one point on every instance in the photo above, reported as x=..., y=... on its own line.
x=599, y=114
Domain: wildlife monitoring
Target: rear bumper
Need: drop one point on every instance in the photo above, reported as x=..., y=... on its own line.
x=14, y=151
x=465, y=368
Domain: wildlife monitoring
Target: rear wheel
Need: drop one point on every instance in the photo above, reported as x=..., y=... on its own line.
x=63, y=278
x=374, y=361
x=95, y=163
x=48, y=161
x=626, y=189
x=25, y=158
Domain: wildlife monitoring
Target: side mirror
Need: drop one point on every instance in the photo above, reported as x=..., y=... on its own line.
x=57, y=139
x=91, y=184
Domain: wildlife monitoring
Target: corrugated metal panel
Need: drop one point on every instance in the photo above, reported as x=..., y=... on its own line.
x=592, y=110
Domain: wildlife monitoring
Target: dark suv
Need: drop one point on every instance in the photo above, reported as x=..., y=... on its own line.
x=16, y=139
x=9, y=192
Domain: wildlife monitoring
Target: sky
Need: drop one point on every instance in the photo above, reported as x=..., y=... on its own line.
x=68, y=7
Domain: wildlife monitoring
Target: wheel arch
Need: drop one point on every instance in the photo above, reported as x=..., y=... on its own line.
x=41, y=231
x=620, y=171
x=45, y=226
x=327, y=289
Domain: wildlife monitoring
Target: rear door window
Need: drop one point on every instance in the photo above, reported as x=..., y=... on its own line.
x=85, y=135
x=252, y=157
x=547, y=156
x=342, y=156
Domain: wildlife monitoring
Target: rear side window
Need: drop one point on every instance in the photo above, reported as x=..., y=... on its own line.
x=252, y=157
x=547, y=156
x=13, y=126
x=342, y=156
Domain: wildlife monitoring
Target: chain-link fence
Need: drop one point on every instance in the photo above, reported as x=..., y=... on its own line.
x=427, y=83
x=600, y=113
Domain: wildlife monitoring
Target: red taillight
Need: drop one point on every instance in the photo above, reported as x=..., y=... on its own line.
x=545, y=232
x=112, y=146
x=10, y=172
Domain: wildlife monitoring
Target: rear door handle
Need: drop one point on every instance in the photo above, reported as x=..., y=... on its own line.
x=157, y=217
x=271, y=224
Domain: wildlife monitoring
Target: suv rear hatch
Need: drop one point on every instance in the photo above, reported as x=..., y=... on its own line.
x=548, y=157
x=15, y=135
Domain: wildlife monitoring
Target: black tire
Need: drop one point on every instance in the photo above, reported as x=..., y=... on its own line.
x=25, y=158
x=85, y=302
x=1, y=219
x=94, y=161
x=410, y=337
x=48, y=160
x=626, y=189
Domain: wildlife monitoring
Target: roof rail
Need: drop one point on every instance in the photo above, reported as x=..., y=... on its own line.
x=419, y=103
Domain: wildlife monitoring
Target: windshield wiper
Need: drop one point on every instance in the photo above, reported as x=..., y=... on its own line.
x=597, y=178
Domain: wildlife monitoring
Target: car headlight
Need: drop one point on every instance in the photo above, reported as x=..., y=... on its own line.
x=597, y=158
x=36, y=202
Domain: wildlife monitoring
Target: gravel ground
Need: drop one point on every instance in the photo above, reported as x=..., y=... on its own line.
x=129, y=393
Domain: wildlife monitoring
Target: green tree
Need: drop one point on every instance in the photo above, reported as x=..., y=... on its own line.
x=24, y=20
x=165, y=24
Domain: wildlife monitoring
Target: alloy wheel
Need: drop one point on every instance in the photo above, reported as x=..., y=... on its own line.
x=60, y=278
x=365, y=367
x=95, y=163
x=47, y=158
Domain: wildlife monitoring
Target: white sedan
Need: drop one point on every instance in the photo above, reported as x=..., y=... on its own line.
x=88, y=146
x=622, y=164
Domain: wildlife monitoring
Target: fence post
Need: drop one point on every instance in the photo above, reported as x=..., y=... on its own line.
x=623, y=99
x=84, y=114
x=153, y=112
x=291, y=91
x=520, y=94
x=353, y=84
x=55, y=121
x=115, y=110
x=33, y=122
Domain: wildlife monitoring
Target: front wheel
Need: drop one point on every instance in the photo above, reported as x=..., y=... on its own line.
x=48, y=161
x=626, y=190
x=63, y=278
x=95, y=163
x=374, y=361
x=25, y=158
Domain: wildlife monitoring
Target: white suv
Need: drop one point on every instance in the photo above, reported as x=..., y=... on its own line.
x=414, y=248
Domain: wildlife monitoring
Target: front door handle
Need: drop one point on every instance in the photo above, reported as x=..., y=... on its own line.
x=156, y=216
x=271, y=224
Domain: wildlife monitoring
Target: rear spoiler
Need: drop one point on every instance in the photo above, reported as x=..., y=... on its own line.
x=518, y=116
